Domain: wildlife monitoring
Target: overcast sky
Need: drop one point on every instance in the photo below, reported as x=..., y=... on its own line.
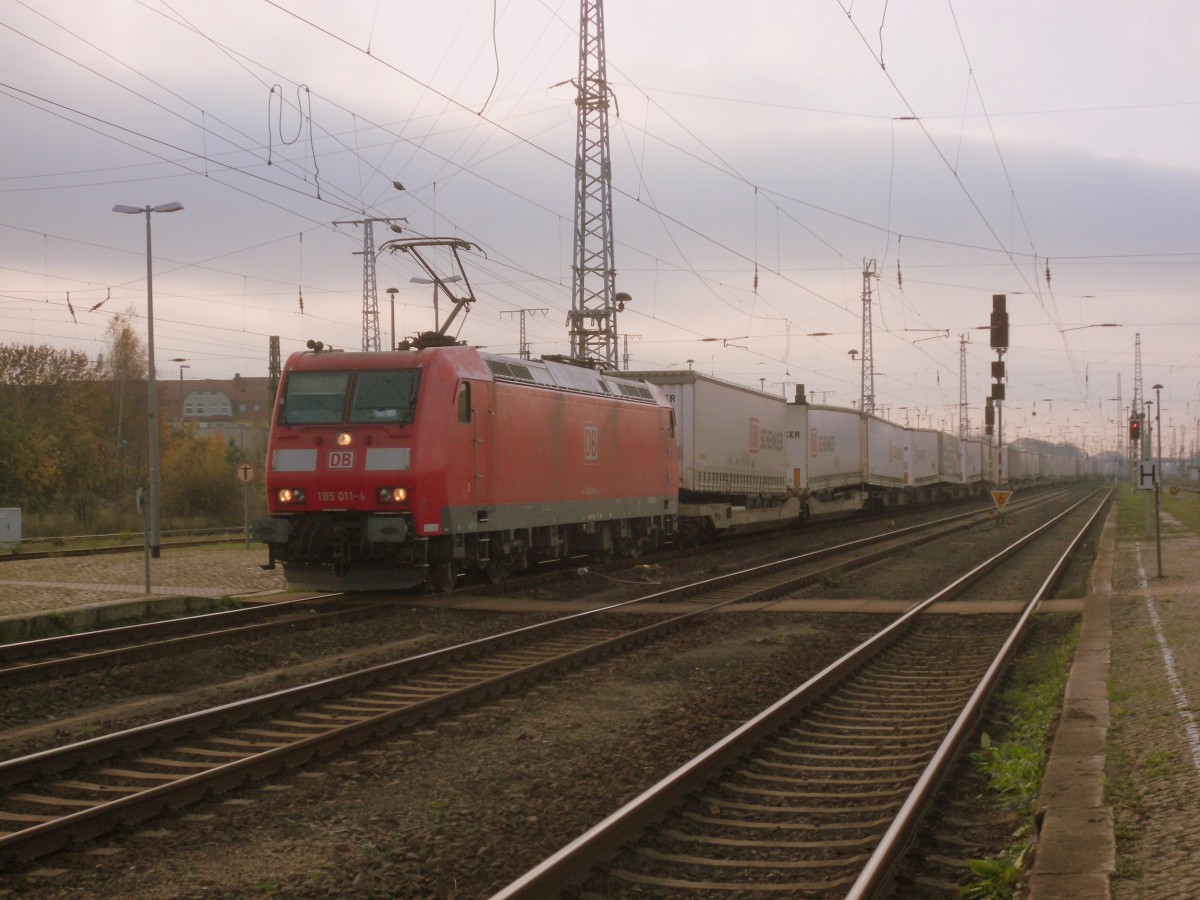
x=762, y=151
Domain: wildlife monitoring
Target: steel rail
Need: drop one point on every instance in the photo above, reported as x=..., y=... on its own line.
x=875, y=874
x=574, y=862
x=233, y=534
x=149, y=640
x=48, y=836
x=98, y=637
x=103, y=746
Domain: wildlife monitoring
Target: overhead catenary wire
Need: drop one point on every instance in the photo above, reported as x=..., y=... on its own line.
x=699, y=264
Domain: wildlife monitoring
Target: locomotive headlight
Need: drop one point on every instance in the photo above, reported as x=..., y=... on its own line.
x=344, y=439
x=392, y=495
x=291, y=495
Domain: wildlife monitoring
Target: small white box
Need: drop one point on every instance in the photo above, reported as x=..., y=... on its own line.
x=10, y=528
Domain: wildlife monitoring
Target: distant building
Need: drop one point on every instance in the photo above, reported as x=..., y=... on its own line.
x=237, y=410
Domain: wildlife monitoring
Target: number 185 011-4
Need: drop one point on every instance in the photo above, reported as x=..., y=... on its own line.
x=340, y=496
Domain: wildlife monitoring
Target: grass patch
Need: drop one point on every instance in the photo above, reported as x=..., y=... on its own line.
x=1131, y=512
x=1159, y=763
x=1185, y=507
x=1121, y=793
x=1013, y=762
x=1132, y=518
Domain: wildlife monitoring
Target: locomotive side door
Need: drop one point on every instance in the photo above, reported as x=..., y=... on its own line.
x=476, y=411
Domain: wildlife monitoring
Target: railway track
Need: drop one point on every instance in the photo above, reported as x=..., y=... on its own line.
x=84, y=789
x=847, y=554
x=43, y=659
x=811, y=532
x=48, y=658
x=58, y=546
x=819, y=794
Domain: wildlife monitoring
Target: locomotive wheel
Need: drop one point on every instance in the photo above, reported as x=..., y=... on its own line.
x=443, y=576
x=497, y=570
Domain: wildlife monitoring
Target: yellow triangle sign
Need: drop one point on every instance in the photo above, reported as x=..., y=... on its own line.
x=1001, y=498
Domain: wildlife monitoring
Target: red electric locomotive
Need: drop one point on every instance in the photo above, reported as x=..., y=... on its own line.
x=387, y=469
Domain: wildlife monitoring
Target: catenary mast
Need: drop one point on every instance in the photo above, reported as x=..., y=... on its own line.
x=594, y=304
x=867, y=359
x=1138, y=411
x=370, y=329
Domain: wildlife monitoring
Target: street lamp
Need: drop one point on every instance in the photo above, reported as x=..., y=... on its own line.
x=391, y=292
x=1098, y=325
x=1158, y=481
x=182, y=397
x=151, y=387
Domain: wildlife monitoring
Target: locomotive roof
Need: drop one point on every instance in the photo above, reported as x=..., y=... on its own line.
x=545, y=372
x=567, y=377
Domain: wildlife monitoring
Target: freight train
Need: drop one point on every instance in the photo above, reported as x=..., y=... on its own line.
x=386, y=470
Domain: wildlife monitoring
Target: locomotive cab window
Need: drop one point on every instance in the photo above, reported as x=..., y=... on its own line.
x=314, y=398
x=385, y=397
x=464, y=403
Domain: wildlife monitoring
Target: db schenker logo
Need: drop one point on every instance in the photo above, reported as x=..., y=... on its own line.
x=763, y=438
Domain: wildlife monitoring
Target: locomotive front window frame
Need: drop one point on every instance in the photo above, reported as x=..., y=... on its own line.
x=385, y=397
x=314, y=398
x=377, y=397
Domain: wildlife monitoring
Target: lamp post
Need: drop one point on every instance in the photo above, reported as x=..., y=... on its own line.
x=391, y=292
x=151, y=387
x=1158, y=481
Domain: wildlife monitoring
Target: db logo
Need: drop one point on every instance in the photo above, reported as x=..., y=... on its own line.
x=341, y=459
x=754, y=438
x=591, y=443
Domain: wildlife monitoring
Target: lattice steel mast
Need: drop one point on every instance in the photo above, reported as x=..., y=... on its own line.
x=964, y=421
x=370, y=330
x=594, y=304
x=867, y=390
x=1120, y=424
x=524, y=351
x=1138, y=410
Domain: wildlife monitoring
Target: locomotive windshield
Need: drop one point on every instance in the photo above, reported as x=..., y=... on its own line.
x=319, y=398
x=314, y=398
x=385, y=397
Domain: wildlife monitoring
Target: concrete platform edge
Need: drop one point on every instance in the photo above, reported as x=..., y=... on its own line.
x=1076, y=849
